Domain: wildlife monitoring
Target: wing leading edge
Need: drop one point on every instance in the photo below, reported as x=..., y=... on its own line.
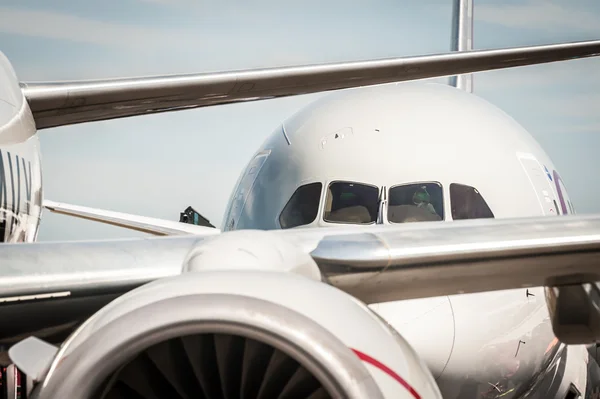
x=65, y=103
x=396, y=264
x=374, y=264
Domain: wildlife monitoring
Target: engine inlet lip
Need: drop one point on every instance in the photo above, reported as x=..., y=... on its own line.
x=77, y=372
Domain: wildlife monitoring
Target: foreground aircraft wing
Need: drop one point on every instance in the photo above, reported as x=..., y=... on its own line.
x=48, y=288
x=159, y=227
x=64, y=103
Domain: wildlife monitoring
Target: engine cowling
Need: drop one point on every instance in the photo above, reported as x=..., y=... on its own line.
x=242, y=334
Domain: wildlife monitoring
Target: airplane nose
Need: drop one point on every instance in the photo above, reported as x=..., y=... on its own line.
x=428, y=326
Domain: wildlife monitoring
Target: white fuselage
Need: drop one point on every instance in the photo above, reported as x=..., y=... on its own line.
x=356, y=157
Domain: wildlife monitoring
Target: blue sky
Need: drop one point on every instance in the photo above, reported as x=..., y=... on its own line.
x=157, y=165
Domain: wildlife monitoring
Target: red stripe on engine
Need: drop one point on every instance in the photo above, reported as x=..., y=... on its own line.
x=374, y=362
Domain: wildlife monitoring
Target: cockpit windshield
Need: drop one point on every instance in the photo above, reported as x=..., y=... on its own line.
x=467, y=203
x=302, y=208
x=349, y=202
x=419, y=202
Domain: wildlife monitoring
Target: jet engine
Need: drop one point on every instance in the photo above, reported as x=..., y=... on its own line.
x=234, y=334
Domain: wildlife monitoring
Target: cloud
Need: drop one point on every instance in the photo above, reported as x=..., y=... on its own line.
x=540, y=15
x=169, y=2
x=558, y=97
x=577, y=128
x=549, y=109
x=61, y=26
x=584, y=105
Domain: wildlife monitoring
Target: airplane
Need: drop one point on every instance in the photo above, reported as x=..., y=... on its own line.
x=368, y=248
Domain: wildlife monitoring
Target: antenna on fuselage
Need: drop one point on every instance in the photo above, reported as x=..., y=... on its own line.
x=462, y=39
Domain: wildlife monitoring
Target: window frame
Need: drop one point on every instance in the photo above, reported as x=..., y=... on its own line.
x=443, y=218
x=324, y=202
x=320, y=201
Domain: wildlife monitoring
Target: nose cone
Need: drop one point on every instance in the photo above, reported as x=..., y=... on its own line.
x=427, y=325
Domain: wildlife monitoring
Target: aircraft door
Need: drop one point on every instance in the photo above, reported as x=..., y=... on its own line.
x=540, y=183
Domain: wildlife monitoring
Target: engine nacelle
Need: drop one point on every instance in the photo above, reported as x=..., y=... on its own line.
x=242, y=334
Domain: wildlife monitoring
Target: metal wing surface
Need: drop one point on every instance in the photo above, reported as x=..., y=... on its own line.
x=154, y=226
x=48, y=288
x=419, y=261
x=64, y=103
x=53, y=286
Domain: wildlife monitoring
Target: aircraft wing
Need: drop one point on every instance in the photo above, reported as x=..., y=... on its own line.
x=64, y=103
x=159, y=227
x=48, y=288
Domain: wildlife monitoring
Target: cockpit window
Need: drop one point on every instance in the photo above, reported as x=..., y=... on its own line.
x=419, y=202
x=303, y=207
x=467, y=203
x=348, y=202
